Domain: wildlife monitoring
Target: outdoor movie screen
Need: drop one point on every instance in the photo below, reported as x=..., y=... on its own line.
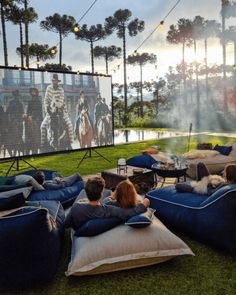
x=45, y=112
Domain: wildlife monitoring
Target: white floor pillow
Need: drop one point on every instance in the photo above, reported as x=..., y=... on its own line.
x=124, y=247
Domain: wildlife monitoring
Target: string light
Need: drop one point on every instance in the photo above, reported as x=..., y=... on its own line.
x=234, y=67
x=160, y=25
x=76, y=28
x=78, y=72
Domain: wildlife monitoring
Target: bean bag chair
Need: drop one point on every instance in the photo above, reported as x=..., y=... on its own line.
x=30, y=243
x=66, y=195
x=208, y=219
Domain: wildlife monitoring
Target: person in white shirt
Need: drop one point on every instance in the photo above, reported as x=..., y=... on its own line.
x=54, y=102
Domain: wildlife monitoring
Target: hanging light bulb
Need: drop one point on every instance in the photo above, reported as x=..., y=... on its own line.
x=118, y=67
x=53, y=50
x=76, y=28
x=78, y=72
x=161, y=25
x=234, y=67
x=135, y=53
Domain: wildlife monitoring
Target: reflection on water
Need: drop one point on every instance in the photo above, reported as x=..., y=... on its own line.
x=122, y=136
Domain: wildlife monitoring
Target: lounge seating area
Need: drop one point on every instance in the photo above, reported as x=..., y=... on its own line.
x=176, y=215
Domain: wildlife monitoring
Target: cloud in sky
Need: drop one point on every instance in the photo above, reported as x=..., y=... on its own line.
x=76, y=52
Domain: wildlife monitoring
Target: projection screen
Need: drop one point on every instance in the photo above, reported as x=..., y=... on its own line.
x=46, y=112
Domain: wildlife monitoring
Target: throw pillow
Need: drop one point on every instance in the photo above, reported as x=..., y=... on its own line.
x=97, y=226
x=122, y=248
x=24, y=179
x=224, y=150
x=141, y=220
x=142, y=161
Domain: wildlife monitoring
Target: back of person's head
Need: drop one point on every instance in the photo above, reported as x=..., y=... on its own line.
x=126, y=194
x=39, y=176
x=230, y=173
x=94, y=188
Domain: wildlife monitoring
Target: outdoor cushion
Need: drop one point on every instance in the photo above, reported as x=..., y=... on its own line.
x=14, y=198
x=209, y=219
x=142, y=161
x=124, y=247
x=224, y=150
x=24, y=179
x=30, y=240
x=66, y=195
x=97, y=226
x=141, y=220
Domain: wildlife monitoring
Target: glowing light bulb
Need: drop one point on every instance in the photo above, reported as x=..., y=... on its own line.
x=234, y=67
x=76, y=28
x=53, y=51
x=161, y=25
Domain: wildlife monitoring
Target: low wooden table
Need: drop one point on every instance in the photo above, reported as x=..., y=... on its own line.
x=112, y=178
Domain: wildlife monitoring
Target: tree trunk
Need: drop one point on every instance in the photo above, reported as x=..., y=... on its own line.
x=125, y=77
x=4, y=37
x=21, y=46
x=197, y=88
x=60, y=50
x=26, y=35
x=141, y=90
x=37, y=57
x=224, y=61
x=92, y=57
x=106, y=60
x=184, y=75
x=206, y=66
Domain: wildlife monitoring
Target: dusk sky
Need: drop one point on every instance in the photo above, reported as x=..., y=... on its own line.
x=76, y=53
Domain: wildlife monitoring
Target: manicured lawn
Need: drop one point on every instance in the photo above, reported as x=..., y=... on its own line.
x=209, y=272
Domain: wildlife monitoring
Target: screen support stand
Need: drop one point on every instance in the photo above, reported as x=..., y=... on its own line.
x=88, y=154
x=16, y=165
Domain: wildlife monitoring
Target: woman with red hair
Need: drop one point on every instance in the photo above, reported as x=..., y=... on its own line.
x=125, y=195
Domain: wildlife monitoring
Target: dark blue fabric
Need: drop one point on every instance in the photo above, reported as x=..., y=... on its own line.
x=12, y=202
x=66, y=195
x=97, y=226
x=142, y=161
x=30, y=245
x=209, y=219
x=139, y=221
x=224, y=150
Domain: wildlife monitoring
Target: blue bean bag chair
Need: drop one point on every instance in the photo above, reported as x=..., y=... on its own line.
x=66, y=195
x=209, y=219
x=142, y=161
x=30, y=243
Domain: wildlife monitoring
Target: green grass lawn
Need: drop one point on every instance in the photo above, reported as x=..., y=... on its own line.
x=208, y=272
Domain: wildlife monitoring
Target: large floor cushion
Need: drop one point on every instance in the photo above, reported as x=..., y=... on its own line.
x=209, y=219
x=30, y=240
x=66, y=195
x=124, y=247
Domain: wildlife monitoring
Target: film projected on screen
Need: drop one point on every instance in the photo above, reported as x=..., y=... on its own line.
x=46, y=112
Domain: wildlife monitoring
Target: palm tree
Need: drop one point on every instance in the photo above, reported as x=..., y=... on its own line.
x=141, y=60
x=41, y=52
x=121, y=22
x=91, y=35
x=181, y=34
x=211, y=28
x=108, y=53
x=62, y=25
x=4, y=6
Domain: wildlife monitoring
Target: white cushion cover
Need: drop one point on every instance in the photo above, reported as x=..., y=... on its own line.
x=124, y=247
